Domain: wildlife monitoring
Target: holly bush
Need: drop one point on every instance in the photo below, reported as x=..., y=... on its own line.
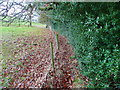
x=94, y=31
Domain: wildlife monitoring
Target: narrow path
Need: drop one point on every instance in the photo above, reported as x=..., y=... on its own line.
x=38, y=26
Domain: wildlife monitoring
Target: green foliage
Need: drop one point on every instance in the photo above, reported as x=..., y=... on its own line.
x=93, y=30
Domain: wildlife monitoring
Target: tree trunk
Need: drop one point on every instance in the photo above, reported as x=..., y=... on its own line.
x=30, y=21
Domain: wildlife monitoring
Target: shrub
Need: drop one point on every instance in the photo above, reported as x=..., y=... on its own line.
x=94, y=31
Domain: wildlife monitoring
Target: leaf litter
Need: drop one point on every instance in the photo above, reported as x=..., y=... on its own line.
x=32, y=65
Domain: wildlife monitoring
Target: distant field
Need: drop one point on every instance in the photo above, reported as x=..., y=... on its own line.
x=20, y=24
x=9, y=34
x=13, y=32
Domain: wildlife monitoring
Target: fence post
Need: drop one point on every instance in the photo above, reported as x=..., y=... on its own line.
x=52, y=54
x=57, y=40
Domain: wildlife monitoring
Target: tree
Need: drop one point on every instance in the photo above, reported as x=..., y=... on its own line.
x=11, y=11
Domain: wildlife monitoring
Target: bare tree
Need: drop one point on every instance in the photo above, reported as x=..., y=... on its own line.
x=11, y=11
x=21, y=11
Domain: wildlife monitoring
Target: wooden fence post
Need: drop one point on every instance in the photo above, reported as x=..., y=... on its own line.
x=52, y=54
x=57, y=40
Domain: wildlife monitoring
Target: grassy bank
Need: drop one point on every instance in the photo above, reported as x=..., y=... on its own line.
x=8, y=37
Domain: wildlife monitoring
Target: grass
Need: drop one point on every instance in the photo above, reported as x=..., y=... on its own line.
x=16, y=23
x=7, y=36
x=11, y=33
x=38, y=24
x=14, y=32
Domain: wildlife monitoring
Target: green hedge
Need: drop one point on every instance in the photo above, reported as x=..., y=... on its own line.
x=94, y=31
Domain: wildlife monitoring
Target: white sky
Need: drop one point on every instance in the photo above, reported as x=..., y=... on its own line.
x=17, y=0
x=15, y=9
